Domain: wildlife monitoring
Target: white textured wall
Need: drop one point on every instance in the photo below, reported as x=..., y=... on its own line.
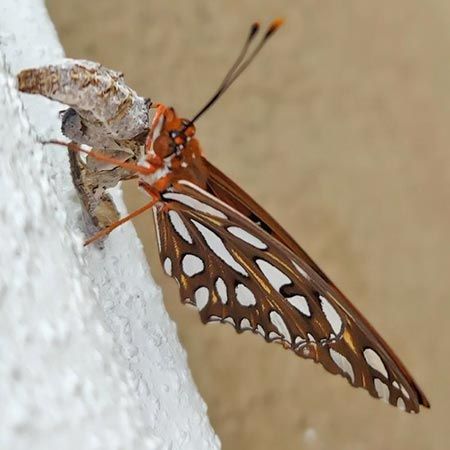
x=88, y=356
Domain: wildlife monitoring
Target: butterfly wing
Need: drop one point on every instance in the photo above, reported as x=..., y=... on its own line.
x=233, y=271
x=222, y=187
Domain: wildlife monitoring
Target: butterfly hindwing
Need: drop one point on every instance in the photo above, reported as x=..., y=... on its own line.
x=235, y=272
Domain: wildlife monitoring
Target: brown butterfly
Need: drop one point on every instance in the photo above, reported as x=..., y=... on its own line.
x=237, y=265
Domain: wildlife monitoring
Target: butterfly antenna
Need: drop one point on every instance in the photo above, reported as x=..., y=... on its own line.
x=272, y=28
x=254, y=29
x=240, y=64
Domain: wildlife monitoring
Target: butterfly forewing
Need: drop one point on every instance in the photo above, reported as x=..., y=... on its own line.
x=235, y=272
x=220, y=186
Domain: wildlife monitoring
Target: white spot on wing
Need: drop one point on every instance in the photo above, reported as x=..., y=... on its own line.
x=194, y=204
x=192, y=265
x=373, y=359
x=401, y=404
x=179, y=226
x=216, y=244
x=230, y=320
x=214, y=319
x=260, y=330
x=201, y=297
x=158, y=237
x=274, y=275
x=301, y=271
x=382, y=389
x=244, y=295
x=404, y=392
x=343, y=363
x=299, y=302
x=206, y=194
x=274, y=336
x=168, y=266
x=245, y=324
x=280, y=325
x=331, y=315
x=401, y=388
x=222, y=290
x=247, y=237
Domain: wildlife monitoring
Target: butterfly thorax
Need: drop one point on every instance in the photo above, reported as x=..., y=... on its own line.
x=173, y=151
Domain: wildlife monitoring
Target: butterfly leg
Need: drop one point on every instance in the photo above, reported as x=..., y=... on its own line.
x=104, y=214
x=99, y=156
x=113, y=226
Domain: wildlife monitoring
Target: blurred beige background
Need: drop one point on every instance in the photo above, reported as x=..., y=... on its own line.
x=341, y=129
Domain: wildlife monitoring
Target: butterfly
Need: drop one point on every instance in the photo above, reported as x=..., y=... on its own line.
x=237, y=265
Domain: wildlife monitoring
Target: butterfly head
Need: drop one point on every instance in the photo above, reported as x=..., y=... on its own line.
x=172, y=134
x=171, y=149
x=169, y=134
x=170, y=144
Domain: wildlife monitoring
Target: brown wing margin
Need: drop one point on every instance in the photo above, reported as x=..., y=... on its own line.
x=219, y=185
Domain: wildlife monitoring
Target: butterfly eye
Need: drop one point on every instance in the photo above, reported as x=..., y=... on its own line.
x=163, y=146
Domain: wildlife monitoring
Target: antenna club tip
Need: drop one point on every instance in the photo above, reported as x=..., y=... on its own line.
x=254, y=29
x=274, y=27
x=277, y=23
